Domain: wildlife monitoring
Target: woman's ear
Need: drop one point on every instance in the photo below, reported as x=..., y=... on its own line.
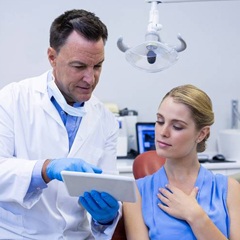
x=203, y=133
x=52, y=54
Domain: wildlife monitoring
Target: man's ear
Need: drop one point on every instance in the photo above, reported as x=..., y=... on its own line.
x=52, y=54
x=203, y=133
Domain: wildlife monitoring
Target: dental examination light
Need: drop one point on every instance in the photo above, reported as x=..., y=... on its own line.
x=153, y=55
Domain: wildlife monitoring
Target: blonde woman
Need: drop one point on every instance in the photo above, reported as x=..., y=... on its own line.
x=184, y=200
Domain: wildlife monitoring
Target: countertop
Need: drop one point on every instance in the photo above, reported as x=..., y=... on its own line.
x=125, y=165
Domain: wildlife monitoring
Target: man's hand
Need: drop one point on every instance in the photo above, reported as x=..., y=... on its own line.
x=102, y=206
x=52, y=168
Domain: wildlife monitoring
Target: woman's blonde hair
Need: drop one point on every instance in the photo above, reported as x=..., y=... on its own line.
x=199, y=104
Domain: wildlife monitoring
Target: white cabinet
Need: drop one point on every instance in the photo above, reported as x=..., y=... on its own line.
x=226, y=168
x=125, y=166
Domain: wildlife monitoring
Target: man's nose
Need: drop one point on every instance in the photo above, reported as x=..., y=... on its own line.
x=89, y=76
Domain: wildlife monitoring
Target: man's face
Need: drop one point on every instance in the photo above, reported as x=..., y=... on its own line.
x=77, y=67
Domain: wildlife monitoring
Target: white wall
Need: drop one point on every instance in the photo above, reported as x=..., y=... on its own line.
x=211, y=60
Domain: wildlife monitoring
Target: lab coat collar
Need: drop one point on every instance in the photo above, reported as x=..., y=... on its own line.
x=40, y=85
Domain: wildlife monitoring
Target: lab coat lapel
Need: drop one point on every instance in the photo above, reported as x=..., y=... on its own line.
x=50, y=109
x=87, y=126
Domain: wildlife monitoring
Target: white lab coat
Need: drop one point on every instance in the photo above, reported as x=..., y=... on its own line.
x=30, y=130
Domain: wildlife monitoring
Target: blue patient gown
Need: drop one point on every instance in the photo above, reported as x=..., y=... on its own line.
x=212, y=196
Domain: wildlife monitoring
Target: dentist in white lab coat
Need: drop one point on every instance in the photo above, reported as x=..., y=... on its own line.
x=52, y=123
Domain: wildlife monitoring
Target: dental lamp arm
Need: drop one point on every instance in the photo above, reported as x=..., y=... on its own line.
x=123, y=47
x=153, y=25
x=182, y=45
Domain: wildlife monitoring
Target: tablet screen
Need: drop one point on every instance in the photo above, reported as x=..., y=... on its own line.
x=123, y=188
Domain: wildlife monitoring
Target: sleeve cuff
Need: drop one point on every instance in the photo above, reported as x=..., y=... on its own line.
x=37, y=183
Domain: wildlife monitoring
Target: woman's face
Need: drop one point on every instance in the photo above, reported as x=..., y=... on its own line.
x=175, y=131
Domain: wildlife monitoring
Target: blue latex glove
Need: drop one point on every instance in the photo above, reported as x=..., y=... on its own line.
x=102, y=206
x=55, y=167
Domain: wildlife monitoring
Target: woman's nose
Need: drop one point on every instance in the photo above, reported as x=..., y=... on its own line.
x=164, y=131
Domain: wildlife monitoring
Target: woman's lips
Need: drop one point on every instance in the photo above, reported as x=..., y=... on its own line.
x=163, y=144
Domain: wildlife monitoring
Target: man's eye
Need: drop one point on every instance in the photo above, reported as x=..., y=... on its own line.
x=78, y=67
x=97, y=66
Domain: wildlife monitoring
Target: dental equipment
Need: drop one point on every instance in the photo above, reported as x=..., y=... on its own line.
x=235, y=114
x=152, y=55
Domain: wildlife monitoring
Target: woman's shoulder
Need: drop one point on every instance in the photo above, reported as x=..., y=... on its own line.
x=216, y=181
x=150, y=178
x=215, y=176
x=233, y=185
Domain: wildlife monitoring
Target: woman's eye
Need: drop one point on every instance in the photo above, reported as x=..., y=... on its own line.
x=177, y=127
x=160, y=122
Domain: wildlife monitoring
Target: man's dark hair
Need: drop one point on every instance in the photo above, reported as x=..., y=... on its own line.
x=85, y=23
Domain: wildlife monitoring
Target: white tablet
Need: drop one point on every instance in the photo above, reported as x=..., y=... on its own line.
x=120, y=187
